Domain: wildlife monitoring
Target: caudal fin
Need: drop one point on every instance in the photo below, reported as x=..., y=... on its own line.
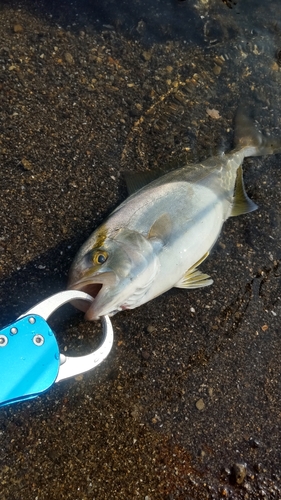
x=249, y=138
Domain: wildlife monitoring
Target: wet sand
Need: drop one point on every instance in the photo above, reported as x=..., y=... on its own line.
x=187, y=405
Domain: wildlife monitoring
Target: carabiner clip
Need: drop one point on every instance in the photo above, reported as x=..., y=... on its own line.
x=30, y=361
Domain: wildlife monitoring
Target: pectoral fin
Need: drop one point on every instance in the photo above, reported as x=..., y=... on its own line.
x=194, y=278
x=241, y=203
x=161, y=228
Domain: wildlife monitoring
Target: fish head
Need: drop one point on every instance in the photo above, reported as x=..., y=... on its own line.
x=116, y=268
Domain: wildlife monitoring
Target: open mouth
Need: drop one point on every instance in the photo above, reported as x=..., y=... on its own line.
x=91, y=288
x=96, y=286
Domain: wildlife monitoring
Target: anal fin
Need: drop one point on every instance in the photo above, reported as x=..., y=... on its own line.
x=193, y=278
x=242, y=204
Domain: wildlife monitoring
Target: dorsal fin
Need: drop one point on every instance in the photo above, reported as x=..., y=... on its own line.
x=136, y=181
x=242, y=204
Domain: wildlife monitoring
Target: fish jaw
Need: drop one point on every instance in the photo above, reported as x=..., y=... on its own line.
x=109, y=297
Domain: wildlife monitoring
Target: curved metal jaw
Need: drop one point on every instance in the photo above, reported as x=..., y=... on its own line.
x=72, y=366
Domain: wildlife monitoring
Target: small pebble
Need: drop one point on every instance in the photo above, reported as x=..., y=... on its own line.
x=216, y=69
x=210, y=392
x=145, y=354
x=69, y=58
x=224, y=492
x=213, y=113
x=146, y=55
x=239, y=473
x=18, y=28
x=26, y=164
x=200, y=405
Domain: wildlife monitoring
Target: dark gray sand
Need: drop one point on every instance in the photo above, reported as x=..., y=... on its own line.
x=188, y=404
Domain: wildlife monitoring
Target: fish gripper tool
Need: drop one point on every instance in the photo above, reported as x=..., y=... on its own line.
x=30, y=361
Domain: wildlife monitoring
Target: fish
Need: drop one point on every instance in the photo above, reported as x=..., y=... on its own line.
x=158, y=237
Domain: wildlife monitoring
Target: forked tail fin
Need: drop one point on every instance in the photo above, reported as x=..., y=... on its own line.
x=249, y=138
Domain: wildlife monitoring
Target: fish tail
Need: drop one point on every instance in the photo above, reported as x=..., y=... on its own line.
x=251, y=140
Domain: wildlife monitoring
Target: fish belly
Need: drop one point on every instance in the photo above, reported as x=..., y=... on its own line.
x=197, y=221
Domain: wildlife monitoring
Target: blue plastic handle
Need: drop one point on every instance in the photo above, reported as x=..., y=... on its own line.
x=29, y=359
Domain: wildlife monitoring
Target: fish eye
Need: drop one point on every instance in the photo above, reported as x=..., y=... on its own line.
x=100, y=257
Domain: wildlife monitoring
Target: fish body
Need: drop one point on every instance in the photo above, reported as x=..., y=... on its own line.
x=156, y=238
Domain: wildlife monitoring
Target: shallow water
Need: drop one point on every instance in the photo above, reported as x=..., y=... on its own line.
x=192, y=386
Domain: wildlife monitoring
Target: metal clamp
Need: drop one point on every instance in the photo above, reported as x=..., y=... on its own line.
x=30, y=361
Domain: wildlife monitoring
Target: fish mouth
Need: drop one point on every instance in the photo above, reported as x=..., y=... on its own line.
x=92, y=287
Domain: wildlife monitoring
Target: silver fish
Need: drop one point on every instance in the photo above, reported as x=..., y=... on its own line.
x=156, y=239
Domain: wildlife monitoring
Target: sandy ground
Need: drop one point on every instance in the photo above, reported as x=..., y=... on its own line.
x=187, y=405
